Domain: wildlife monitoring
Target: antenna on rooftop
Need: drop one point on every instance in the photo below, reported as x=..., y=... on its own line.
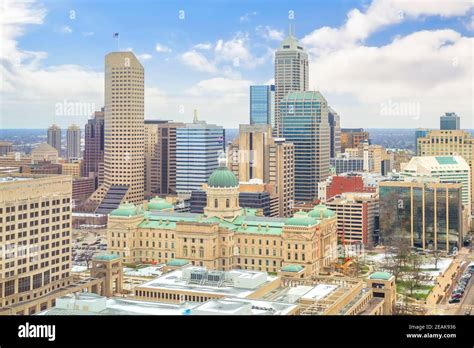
x=195, y=119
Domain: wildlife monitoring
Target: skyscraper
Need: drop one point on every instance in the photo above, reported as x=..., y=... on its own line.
x=198, y=146
x=256, y=154
x=160, y=157
x=304, y=122
x=262, y=104
x=335, y=132
x=420, y=133
x=73, y=142
x=291, y=72
x=123, y=130
x=94, y=145
x=446, y=143
x=54, y=137
x=449, y=121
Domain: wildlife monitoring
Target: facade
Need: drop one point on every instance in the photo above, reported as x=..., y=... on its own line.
x=304, y=122
x=426, y=215
x=44, y=153
x=449, y=143
x=291, y=72
x=72, y=169
x=123, y=132
x=82, y=188
x=54, y=138
x=339, y=184
x=352, y=137
x=73, y=149
x=335, y=132
x=262, y=104
x=450, y=121
x=35, y=240
x=449, y=169
x=226, y=236
x=346, y=164
x=5, y=148
x=94, y=140
x=198, y=146
x=356, y=216
x=160, y=157
x=257, y=155
x=420, y=133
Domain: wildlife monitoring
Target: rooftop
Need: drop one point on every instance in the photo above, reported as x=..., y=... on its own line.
x=239, y=306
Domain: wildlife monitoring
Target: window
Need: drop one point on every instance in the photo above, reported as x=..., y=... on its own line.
x=201, y=252
x=215, y=203
x=185, y=250
x=227, y=203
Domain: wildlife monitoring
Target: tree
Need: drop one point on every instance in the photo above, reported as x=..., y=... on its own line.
x=436, y=257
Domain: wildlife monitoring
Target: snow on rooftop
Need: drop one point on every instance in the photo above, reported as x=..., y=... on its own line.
x=319, y=292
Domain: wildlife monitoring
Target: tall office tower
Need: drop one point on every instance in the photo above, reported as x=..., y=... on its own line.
x=352, y=137
x=291, y=72
x=448, y=143
x=304, y=122
x=421, y=213
x=5, y=148
x=335, y=132
x=262, y=104
x=73, y=142
x=160, y=157
x=256, y=154
x=36, y=241
x=198, y=146
x=94, y=146
x=449, y=121
x=54, y=137
x=450, y=169
x=123, y=130
x=420, y=133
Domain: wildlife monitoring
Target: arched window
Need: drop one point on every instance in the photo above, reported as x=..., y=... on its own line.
x=215, y=203
x=193, y=251
x=227, y=203
x=201, y=252
x=185, y=250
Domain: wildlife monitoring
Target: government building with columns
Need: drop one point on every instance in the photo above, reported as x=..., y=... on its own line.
x=226, y=236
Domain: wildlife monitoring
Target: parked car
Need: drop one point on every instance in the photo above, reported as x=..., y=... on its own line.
x=454, y=300
x=456, y=295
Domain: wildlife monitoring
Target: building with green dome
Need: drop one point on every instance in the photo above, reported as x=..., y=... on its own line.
x=225, y=236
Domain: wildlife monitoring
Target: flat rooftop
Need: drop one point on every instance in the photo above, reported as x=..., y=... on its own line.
x=175, y=281
x=13, y=179
x=239, y=306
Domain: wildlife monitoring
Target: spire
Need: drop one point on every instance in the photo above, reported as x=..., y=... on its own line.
x=195, y=119
x=291, y=29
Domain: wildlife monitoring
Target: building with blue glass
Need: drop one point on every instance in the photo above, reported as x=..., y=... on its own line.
x=198, y=146
x=304, y=122
x=262, y=104
x=449, y=121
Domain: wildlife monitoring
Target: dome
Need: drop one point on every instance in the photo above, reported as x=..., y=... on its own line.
x=125, y=209
x=319, y=210
x=301, y=219
x=222, y=177
x=158, y=203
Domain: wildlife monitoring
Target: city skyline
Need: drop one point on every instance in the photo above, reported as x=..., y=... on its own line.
x=50, y=44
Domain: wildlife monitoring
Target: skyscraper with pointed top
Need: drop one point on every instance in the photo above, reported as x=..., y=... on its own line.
x=291, y=71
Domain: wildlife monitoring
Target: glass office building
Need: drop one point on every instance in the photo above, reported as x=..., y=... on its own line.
x=262, y=105
x=304, y=122
x=449, y=121
x=420, y=214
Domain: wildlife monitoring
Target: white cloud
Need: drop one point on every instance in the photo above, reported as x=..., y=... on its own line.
x=65, y=29
x=144, y=56
x=88, y=33
x=269, y=33
x=197, y=61
x=203, y=46
x=162, y=48
x=431, y=68
x=246, y=17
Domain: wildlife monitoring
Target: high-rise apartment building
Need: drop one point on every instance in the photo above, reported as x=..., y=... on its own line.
x=123, y=131
x=421, y=213
x=291, y=72
x=256, y=154
x=73, y=142
x=54, y=137
x=262, y=104
x=35, y=240
x=335, y=132
x=352, y=137
x=449, y=121
x=449, y=143
x=304, y=122
x=198, y=146
x=448, y=169
x=160, y=157
x=94, y=146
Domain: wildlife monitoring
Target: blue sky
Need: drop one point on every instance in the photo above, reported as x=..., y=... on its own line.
x=413, y=59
